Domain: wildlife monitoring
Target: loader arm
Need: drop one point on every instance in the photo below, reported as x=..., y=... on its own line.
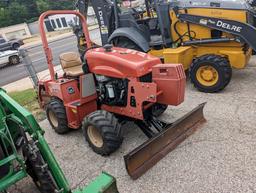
x=32, y=127
x=244, y=32
x=104, y=13
x=104, y=183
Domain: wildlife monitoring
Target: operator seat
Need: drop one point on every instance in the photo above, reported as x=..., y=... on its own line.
x=71, y=64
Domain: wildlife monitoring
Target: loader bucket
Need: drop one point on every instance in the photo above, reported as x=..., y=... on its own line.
x=149, y=153
x=104, y=183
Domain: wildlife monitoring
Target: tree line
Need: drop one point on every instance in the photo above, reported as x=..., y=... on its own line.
x=19, y=11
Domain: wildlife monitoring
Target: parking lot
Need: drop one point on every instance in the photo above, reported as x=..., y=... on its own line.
x=220, y=157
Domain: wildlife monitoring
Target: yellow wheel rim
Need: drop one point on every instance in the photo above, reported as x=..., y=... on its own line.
x=207, y=75
x=95, y=136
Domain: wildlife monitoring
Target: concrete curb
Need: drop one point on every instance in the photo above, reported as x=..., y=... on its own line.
x=52, y=41
x=26, y=83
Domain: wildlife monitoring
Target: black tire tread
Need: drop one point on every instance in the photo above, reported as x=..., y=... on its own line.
x=58, y=108
x=109, y=128
x=223, y=66
x=10, y=60
x=39, y=176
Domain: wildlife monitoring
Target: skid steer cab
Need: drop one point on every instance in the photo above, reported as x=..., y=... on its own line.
x=114, y=85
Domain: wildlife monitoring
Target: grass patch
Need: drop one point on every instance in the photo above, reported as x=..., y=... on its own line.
x=28, y=99
x=24, y=97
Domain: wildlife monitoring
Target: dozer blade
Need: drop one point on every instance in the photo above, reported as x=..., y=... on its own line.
x=149, y=153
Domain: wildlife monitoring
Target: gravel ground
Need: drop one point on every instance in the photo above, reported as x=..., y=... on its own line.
x=218, y=158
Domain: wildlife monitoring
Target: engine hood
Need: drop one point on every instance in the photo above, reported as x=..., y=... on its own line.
x=120, y=62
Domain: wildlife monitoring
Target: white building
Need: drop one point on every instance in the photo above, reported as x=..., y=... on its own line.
x=59, y=22
x=18, y=31
x=53, y=23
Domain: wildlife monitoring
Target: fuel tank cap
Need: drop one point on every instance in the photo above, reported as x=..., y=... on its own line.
x=108, y=47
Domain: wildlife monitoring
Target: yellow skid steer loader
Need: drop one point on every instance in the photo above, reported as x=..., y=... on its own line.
x=209, y=37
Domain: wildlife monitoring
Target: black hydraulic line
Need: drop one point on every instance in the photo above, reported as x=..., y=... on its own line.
x=187, y=33
x=207, y=41
x=188, y=26
x=176, y=31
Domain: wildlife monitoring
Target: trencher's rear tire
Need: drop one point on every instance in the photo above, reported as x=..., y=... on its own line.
x=56, y=115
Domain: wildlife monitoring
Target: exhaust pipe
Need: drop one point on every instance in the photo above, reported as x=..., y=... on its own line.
x=145, y=156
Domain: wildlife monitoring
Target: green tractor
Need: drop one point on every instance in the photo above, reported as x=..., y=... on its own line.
x=25, y=152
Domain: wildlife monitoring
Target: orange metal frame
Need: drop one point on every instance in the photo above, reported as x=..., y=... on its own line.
x=168, y=86
x=46, y=47
x=76, y=107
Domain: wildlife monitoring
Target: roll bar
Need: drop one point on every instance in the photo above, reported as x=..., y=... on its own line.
x=47, y=50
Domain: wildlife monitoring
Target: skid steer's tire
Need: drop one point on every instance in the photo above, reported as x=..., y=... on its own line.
x=56, y=114
x=40, y=174
x=210, y=73
x=103, y=132
x=124, y=42
x=4, y=170
x=158, y=109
